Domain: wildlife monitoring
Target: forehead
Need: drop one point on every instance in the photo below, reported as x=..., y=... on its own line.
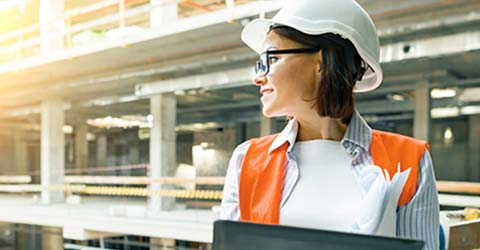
x=274, y=40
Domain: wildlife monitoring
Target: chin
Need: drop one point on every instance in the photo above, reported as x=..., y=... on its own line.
x=270, y=112
x=267, y=112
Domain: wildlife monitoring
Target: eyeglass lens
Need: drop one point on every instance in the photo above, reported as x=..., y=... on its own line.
x=262, y=64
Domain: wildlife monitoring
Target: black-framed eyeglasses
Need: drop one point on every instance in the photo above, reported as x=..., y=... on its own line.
x=263, y=64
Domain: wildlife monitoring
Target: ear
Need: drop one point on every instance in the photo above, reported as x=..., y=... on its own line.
x=319, y=59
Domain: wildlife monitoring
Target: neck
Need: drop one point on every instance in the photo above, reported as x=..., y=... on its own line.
x=316, y=128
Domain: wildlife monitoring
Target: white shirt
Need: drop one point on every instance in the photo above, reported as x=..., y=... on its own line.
x=418, y=219
x=326, y=173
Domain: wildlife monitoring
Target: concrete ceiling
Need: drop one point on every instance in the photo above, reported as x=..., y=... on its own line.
x=114, y=72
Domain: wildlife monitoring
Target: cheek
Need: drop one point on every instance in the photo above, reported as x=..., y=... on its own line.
x=305, y=82
x=285, y=86
x=294, y=82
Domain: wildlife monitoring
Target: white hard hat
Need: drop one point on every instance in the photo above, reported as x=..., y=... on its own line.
x=314, y=17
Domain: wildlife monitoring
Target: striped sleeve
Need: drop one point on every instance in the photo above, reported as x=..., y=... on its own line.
x=419, y=219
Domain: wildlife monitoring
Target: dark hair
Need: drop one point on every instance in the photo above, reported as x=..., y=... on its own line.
x=341, y=68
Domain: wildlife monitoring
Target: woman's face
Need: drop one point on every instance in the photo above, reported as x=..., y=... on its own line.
x=289, y=89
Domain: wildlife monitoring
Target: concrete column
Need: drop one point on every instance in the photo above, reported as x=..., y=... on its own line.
x=52, y=149
x=474, y=148
x=421, y=119
x=162, y=146
x=52, y=25
x=20, y=151
x=81, y=147
x=102, y=150
x=162, y=12
x=52, y=238
x=266, y=125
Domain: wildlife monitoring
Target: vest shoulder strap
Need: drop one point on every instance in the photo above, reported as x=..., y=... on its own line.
x=261, y=181
x=389, y=150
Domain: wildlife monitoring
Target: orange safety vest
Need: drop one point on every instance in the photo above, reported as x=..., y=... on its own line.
x=261, y=176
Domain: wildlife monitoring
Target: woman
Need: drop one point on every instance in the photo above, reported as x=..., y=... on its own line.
x=327, y=169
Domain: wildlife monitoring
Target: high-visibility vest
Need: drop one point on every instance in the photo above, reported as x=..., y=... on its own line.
x=261, y=176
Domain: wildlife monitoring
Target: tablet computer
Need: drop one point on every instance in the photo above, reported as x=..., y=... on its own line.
x=232, y=235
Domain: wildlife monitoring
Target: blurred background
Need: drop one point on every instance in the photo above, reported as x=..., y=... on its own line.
x=118, y=117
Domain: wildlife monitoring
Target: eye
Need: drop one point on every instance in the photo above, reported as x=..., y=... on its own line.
x=272, y=59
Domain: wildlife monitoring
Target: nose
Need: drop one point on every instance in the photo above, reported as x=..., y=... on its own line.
x=259, y=80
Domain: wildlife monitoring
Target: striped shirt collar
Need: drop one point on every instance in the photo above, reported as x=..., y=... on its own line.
x=358, y=133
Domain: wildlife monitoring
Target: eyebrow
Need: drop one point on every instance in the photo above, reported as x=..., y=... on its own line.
x=271, y=47
x=268, y=49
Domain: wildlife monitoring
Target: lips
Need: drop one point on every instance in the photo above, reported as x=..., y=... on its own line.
x=266, y=91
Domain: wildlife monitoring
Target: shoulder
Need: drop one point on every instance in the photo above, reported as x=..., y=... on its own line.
x=398, y=140
x=264, y=141
x=242, y=148
x=240, y=151
x=236, y=161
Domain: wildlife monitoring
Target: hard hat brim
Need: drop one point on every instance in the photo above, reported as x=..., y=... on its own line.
x=255, y=33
